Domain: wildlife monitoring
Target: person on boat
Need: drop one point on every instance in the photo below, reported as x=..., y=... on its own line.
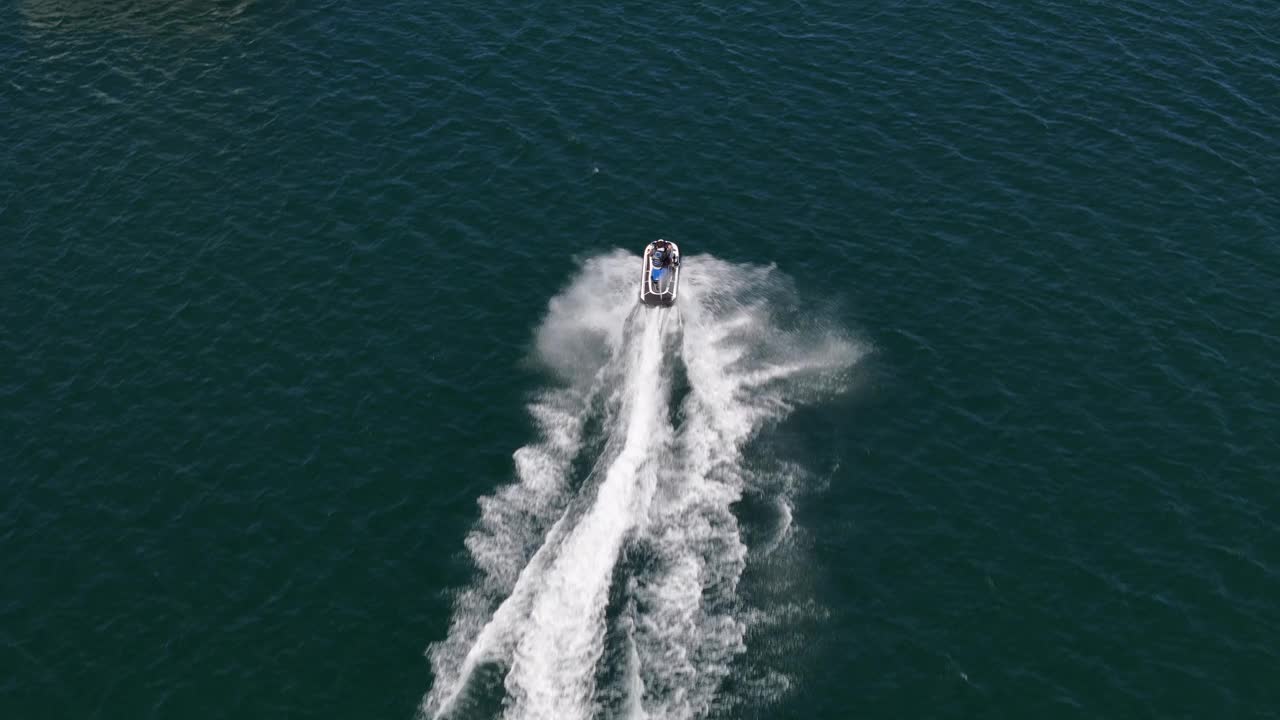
x=665, y=254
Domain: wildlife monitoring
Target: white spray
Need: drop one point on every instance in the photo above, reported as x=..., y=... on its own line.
x=672, y=488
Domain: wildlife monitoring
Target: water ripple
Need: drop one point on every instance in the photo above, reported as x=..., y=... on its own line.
x=269, y=273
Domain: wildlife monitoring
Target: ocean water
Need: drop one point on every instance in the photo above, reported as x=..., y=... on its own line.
x=324, y=392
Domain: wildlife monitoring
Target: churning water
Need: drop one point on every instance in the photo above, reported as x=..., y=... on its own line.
x=608, y=570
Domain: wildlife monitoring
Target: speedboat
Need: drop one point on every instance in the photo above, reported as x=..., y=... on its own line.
x=661, y=277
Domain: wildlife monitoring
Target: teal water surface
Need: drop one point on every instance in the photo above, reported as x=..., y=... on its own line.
x=325, y=393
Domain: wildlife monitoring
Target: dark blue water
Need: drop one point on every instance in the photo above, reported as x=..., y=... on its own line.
x=320, y=348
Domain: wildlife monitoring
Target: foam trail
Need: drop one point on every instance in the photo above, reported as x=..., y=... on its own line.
x=547, y=549
x=634, y=709
x=542, y=469
x=743, y=373
x=552, y=675
x=580, y=341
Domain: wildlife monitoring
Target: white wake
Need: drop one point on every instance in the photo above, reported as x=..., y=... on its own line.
x=548, y=548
